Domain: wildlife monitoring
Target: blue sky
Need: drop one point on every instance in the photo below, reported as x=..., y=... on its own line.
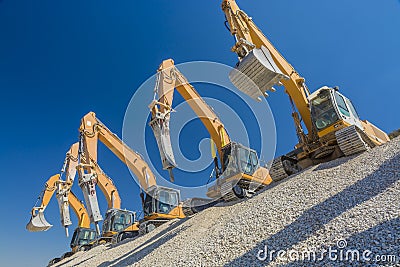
x=62, y=59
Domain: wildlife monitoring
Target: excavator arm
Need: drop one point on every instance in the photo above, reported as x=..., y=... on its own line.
x=90, y=173
x=38, y=222
x=53, y=184
x=107, y=187
x=240, y=166
x=65, y=199
x=92, y=131
x=80, y=211
x=169, y=79
x=64, y=202
x=260, y=59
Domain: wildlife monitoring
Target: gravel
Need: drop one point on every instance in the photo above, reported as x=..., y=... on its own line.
x=350, y=204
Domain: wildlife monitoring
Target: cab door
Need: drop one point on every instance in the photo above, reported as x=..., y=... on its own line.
x=354, y=113
x=345, y=111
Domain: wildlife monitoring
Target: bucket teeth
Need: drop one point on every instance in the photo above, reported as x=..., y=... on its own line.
x=256, y=74
x=38, y=223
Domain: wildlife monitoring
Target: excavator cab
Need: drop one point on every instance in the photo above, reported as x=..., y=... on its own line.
x=256, y=73
x=324, y=111
x=238, y=159
x=240, y=174
x=81, y=238
x=160, y=200
x=335, y=118
x=331, y=111
x=160, y=204
x=117, y=221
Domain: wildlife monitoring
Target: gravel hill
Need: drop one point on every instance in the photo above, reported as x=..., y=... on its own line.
x=350, y=204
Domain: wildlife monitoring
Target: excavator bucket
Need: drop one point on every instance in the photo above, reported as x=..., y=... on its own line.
x=38, y=223
x=256, y=74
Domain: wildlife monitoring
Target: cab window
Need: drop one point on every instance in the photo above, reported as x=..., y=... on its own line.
x=248, y=160
x=352, y=109
x=342, y=105
x=120, y=220
x=322, y=110
x=167, y=201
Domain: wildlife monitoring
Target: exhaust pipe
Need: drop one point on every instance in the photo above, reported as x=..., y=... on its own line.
x=38, y=223
x=256, y=74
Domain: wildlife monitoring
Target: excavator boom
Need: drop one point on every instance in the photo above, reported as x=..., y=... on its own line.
x=250, y=178
x=80, y=211
x=333, y=126
x=38, y=223
x=169, y=79
x=261, y=62
x=93, y=130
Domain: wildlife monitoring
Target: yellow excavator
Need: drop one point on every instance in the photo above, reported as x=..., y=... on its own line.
x=83, y=235
x=63, y=188
x=333, y=126
x=115, y=218
x=71, y=164
x=160, y=204
x=240, y=174
x=118, y=223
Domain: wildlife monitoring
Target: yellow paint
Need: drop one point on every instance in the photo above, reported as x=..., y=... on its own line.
x=333, y=128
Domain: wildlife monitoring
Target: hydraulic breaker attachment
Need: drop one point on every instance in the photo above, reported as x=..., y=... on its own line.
x=63, y=204
x=256, y=74
x=38, y=223
x=160, y=127
x=87, y=183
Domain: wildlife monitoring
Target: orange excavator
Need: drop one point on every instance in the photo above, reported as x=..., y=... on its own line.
x=63, y=188
x=119, y=223
x=114, y=215
x=334, y=128
x=83, y=235
x=240, y=174
x=160, y=204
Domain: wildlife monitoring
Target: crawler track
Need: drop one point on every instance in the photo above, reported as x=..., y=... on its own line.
x=352, y=141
